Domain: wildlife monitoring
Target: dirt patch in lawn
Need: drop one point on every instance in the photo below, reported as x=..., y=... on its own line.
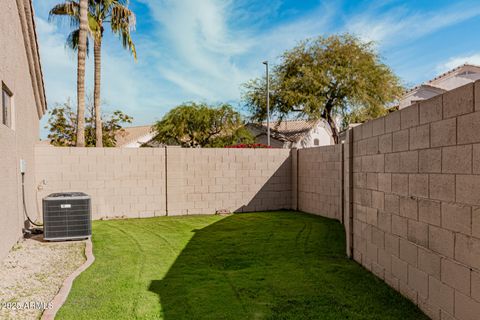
x=32, y=274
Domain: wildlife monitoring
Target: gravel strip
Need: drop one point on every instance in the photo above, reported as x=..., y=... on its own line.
x=32, y=274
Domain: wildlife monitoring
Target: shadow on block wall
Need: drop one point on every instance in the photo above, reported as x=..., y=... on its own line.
x=203, y=181
x=274, y=194
x=320, y=181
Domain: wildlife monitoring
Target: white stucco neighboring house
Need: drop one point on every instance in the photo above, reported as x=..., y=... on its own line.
x=134, y=137
x=293, y=133
x=447, y=81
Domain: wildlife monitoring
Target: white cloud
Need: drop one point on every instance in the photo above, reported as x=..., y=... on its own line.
x=201, y=47
x=284, y=36
x=204, y=50
x=57, y=63
x=457, y=61
x=125, y=85
x=401, y=24
x=188, y=85
x=210, y=56
x=44, y=6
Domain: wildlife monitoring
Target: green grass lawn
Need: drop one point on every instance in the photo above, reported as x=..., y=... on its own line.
x=276, y=265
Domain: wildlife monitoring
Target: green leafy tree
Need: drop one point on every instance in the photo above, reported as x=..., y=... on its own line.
x=62, y=125
x=201, y=125
x=329, y=78
x=100, y=12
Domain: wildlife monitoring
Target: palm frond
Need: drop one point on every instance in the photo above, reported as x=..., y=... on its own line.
x=72, y=41
x=123, y=21
x=127, y=43
x=94, y=28
x=68, y=10
x=122, y=17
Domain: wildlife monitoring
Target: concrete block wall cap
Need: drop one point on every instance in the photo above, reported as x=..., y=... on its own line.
x=62, y=294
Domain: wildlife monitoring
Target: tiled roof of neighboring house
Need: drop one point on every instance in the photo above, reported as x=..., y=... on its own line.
x=154, y=144
x=44, y=142
x=432, y=83
x=287, y=130
x=433, y=87
x=132, y=134
x=453, y=71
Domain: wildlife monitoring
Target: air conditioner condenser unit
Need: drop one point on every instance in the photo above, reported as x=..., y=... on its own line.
x=67, y=216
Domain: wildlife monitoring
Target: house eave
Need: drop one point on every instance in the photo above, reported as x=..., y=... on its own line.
x=27, y=21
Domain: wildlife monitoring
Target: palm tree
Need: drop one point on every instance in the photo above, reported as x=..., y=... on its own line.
x=82, y=50
x=100, y=12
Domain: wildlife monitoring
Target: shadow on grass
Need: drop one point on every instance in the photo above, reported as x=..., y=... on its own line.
x=274, y=266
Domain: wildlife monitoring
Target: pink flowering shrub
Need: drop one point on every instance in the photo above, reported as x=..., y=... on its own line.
x=249, y=145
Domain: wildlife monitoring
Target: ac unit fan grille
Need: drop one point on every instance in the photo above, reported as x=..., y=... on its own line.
x=67, y=216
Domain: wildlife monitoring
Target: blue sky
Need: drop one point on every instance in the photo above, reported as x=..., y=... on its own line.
x=203, y=50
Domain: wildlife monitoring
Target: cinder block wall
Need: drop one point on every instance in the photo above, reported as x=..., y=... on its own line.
x=122, y=182
x=138, y=183
x=238, y=180
x=320, y=181
x=409, y=198
x=416, y=198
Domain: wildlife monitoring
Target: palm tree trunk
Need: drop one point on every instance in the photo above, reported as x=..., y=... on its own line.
x=82, y=52
x=96, y=92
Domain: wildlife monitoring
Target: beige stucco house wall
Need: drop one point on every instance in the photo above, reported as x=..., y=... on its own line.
x=319, y=135
x=20, y=72
x=291, y=134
